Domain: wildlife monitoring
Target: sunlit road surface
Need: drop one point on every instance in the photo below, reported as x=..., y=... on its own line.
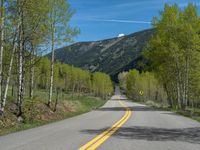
x=118, y=125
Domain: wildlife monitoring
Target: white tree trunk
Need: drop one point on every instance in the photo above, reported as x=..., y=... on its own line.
x=187, y=82
x=2, y=45
x=178, y=95
x=20, y=65
x=8, y=78
x=52, y=67
x=32, y=71
x=32, y=81
x=20, y=72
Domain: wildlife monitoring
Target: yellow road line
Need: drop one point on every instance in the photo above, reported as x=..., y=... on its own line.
x=86, y=146
x=104, y=138
x=98, y=140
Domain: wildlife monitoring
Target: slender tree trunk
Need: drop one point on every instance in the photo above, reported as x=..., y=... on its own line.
x=73, y=89
x=20, y=74
x=31, y=82
x=79, y=90
x=12, y=90
x=179, y=87
x=2, y=44
x=187, y=83
x=32, y=71
x=23, y=79
x=8, y=78
x=169, y=96
x=56, y=103
x=52, y=66
x=178, y=95
x=21, y=70
x=149, y=88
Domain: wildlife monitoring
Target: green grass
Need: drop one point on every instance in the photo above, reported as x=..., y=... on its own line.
x=193, y=113
x=68, y=106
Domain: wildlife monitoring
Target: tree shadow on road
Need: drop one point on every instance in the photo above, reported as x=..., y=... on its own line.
x=134, y=108
x=190, y=135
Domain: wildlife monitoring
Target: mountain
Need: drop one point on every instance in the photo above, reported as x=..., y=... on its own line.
x=110, y=56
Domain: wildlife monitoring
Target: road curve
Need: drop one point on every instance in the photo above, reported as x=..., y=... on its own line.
x=118, y=125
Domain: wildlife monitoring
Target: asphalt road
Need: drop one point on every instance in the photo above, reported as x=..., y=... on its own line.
x=118, y=125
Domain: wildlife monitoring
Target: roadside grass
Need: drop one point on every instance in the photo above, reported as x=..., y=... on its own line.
x=36, y=112
x=193, y=113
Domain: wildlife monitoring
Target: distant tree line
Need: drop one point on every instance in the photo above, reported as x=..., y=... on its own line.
x=29, y=28
x=72, y=80
x=174, y=60
x=142, y=87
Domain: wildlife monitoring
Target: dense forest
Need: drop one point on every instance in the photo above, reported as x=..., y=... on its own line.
x=172, y=75
x=28, y=29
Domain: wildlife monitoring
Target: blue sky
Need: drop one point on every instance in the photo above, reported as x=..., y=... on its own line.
x=102, y=19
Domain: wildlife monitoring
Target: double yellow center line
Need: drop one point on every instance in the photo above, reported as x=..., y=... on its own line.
x=98, y=140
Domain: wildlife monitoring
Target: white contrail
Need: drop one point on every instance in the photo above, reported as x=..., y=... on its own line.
x=122, y=21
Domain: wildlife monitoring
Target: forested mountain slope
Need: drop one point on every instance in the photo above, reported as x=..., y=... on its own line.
x=110, y=56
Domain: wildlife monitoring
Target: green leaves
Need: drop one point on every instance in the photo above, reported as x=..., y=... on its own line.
x=72, y=79
x=60, y=14
x=174, y=50
x=102, y=84
x=142, y=86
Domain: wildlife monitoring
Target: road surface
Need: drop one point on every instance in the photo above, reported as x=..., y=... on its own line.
x=118, y=125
